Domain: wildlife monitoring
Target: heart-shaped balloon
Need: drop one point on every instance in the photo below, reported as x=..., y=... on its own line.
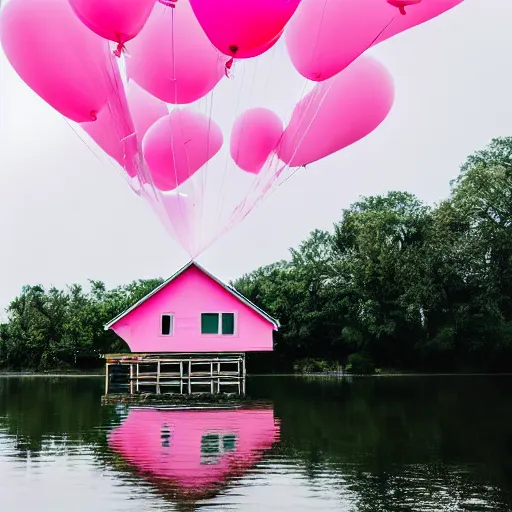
x=56, y=56
x=178, y=145
x=256, y=133
x=172, y=58
x=243, y=28
x=338, y=112
x=324, y=37
x=117, y=20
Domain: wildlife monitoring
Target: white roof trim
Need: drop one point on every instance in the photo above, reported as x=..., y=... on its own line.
x=228, y=288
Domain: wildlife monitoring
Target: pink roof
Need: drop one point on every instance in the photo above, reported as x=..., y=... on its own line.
x=186, y=296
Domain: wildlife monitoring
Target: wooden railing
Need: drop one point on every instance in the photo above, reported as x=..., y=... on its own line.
x=175, y=373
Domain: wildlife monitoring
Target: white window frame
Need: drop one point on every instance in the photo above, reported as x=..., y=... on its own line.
x=172, y=325
x=219, y=326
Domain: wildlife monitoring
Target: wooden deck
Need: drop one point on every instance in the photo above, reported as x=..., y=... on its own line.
x=175, y=373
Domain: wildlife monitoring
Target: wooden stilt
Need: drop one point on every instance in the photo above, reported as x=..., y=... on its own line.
x=181, y=377
x=189, y=376
x=243, y=375
x=218, y=377
x=158, y=378
x=107, y=377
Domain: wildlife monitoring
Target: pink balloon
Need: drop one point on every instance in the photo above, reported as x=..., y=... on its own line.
x=338, y=112
x=172, y=58
x=255, y=134
x=114, y=129
x=144, y=108
x=117, y=20
x=313, y=34
x=240, y=27
x=178, y=145
x=56, y=56
x=120, y=147
x=264, y=48
x=415, y=15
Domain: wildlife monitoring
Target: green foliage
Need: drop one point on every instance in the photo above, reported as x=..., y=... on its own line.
x=63, y=329
x=309, y=365
x=360, y=364
x=396, y=284
x=407, y=285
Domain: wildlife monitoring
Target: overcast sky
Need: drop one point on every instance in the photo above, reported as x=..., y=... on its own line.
x=65, y=216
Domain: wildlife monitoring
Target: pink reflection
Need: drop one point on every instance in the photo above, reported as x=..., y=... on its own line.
x=195, y=450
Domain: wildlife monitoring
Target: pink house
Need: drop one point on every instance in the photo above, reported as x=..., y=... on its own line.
x=194, y=312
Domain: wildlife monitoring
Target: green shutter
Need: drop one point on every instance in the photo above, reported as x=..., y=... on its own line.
x=210, y=323
x=228, y=323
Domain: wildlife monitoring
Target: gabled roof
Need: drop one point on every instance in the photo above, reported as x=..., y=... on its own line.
x=226, y=287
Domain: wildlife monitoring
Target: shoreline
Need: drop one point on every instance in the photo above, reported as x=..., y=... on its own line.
x=56, y=373
x=311, y=375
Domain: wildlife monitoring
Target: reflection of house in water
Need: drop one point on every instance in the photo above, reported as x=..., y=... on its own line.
x=193, y=453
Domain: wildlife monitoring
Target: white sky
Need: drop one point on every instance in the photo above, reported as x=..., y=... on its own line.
x=66, y=217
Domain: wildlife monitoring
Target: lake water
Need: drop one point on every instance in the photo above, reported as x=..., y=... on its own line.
x=370, y=444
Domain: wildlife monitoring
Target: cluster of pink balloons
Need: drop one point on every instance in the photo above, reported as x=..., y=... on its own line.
x=179, y=50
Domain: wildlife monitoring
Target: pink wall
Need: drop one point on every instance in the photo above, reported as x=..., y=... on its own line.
x=187, y=296
x=180, y=457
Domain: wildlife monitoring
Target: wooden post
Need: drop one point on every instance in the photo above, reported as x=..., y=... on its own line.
x=158, y=377
x=181, y=377
x=107, y=377
x=131, y=379
x=189, y=376
x=243, y=374
x=211, y=377
x=218, y=377
x=239, y=375
x=137, y=382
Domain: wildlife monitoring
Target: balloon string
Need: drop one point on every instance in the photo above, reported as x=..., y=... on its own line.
x=313, y=57
x=170, y=3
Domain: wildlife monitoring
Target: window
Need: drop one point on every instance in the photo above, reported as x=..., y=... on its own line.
x=167, y=325
x=218, y=323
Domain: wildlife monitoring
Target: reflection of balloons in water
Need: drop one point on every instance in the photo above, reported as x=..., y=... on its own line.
x=178, y=53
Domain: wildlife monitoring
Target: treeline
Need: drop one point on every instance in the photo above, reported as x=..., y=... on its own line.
x=396, y=284
x=401, y=285
x=64, y=329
